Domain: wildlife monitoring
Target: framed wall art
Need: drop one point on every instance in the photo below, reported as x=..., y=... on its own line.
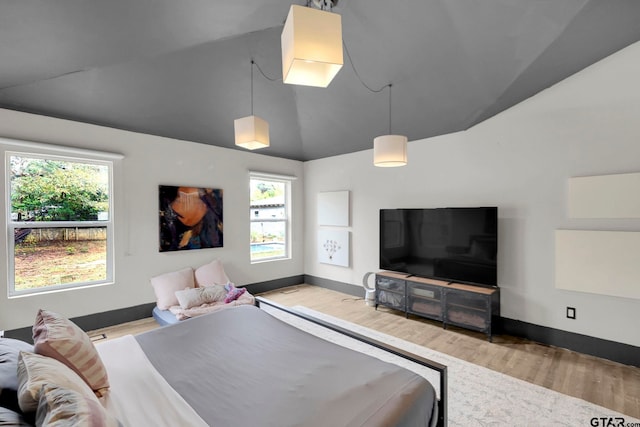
x=190, y=218
x=333, y=208
x=334, y=247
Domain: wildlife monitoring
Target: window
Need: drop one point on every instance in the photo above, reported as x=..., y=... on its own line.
x=270, y=216
x=61, y=222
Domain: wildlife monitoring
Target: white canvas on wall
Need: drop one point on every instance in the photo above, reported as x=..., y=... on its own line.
x=599, y=262
x=604, y=196
x=333, y=208
x=333, y=247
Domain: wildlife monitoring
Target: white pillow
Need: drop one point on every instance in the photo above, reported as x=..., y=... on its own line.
x=35, y=370
x=196, y=297
x=166, y=285
x=211, y=274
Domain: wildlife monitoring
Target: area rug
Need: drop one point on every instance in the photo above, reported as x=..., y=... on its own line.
x=477, y=396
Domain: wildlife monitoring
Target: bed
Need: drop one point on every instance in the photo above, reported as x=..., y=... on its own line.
x=244, y=367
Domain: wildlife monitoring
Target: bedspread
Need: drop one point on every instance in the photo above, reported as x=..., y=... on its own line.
x=182, y=314
x=243, y=367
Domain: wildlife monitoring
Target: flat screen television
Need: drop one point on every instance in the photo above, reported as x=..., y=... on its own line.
x=451, y=244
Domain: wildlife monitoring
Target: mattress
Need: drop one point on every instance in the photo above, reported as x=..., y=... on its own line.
x=164, y=317
x=243, y=366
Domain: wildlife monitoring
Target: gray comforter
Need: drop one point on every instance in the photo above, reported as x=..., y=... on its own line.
x=243, y=367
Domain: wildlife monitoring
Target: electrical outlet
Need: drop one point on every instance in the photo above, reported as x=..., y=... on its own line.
x=571, y=312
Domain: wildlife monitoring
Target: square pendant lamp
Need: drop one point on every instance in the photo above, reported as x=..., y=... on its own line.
x=251, y=132
x=311, y=46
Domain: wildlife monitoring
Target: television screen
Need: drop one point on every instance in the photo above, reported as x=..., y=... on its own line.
x=451, y=244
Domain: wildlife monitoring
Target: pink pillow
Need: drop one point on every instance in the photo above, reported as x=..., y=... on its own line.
x=61, y=339
x=166, y=285
x=211, y=274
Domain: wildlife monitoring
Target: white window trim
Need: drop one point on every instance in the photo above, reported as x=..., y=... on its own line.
x=271, y=176
x=72, y=154
x=288, y=181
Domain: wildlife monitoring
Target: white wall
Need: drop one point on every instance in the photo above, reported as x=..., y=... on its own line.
x=151, y=161
x=520, y=161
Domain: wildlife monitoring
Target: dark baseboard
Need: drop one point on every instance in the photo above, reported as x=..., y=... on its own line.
x=270, y=285
x=94, y=321
x=585, y=344
x=114, y=317
x=345, y=288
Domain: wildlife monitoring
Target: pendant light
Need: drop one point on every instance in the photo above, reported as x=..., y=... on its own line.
x=311, y=45
x=390, y=150
x=252, y=132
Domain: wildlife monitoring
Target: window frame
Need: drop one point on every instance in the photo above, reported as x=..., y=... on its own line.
x=63, y=154
x=288, y=184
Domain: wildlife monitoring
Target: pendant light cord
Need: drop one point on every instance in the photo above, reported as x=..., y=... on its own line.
x=370, y=89
x=389, y=86
x=355, y=71
x=277, y=79
x=252, y=62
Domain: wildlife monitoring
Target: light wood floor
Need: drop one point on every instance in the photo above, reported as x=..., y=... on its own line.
x=605, y=383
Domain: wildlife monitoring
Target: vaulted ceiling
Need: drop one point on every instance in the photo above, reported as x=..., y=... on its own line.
x=181, y=69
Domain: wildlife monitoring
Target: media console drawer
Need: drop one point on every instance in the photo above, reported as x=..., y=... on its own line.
x=390, y=292
x=424, y=300
x=391, y=299
x=390, y=284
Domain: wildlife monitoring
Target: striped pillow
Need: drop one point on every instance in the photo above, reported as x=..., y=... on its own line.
x=61, y=407
x=61, y=339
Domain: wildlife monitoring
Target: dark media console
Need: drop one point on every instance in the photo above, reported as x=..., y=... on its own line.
x=467, y=306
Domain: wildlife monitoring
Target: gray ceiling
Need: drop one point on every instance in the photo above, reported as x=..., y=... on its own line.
x=181, y=69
